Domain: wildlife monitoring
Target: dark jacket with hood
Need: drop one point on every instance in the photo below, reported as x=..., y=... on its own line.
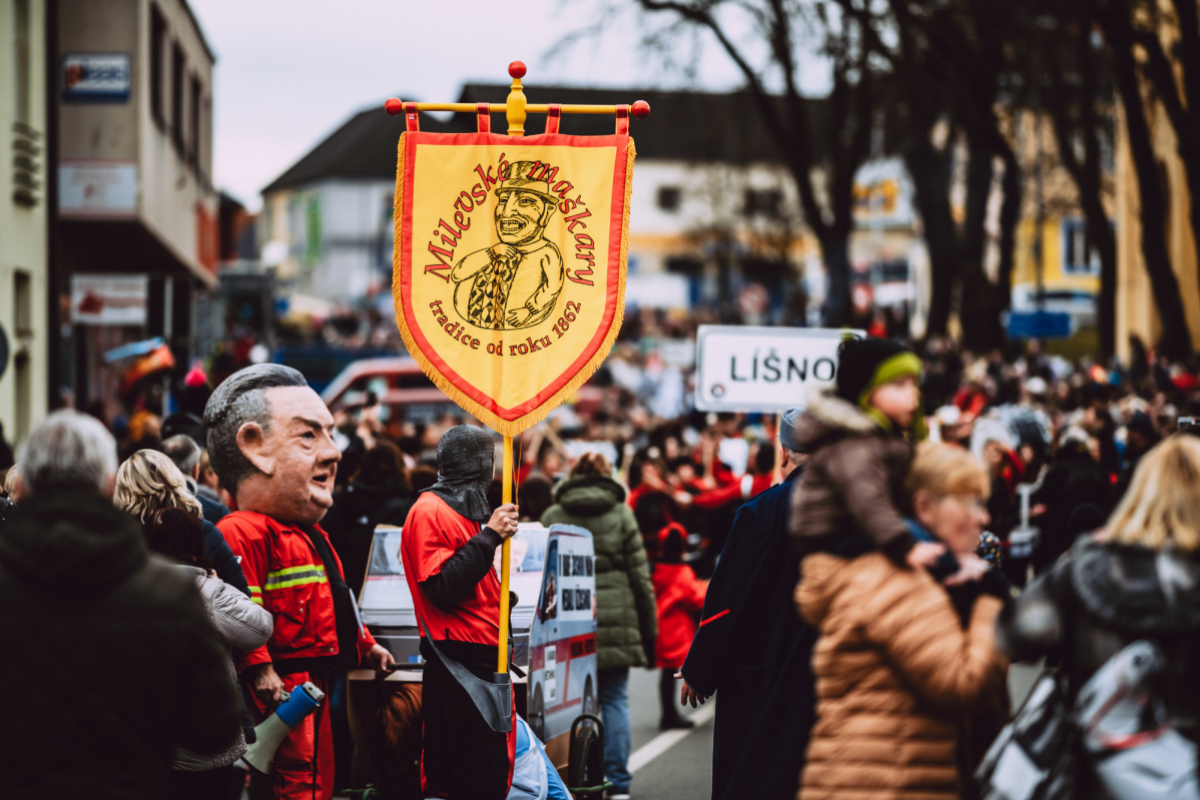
x=112, y=658
x=626, y=616
x=852, y=489
x=1099, y=598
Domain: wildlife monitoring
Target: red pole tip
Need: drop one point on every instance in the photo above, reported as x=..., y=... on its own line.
x=517, y=69
x=393, y=106
x=640, y=109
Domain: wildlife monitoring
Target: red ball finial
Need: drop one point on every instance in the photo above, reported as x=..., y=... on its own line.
x=393, y=106
x=640, y=109
x=517, y=69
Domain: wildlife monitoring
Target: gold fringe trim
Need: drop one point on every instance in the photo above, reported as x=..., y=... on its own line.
x=487, y=416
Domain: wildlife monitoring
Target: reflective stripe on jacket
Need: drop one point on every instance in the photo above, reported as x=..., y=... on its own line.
x=287, y=578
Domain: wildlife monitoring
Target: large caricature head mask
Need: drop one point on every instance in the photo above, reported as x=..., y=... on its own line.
x=270, y=442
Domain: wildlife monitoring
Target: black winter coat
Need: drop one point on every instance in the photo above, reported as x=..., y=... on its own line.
x=754, y=650
x=111, y=659
x=1097, y=599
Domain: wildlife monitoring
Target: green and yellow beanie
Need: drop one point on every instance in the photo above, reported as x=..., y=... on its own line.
x=866, y=364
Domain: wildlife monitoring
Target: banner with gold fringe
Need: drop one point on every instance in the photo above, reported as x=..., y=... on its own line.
x=509, y=264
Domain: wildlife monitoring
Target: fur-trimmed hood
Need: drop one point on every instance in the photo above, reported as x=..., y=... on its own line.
x=828, y=418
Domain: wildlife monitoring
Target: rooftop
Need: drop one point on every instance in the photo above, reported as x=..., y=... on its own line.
x=695, y=127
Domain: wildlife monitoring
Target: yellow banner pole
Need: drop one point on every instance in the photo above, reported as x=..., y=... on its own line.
x=505, y=551
x=515, y=108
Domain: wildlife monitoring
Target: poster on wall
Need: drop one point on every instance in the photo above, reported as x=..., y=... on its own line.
x=109, y=299
x=97, y=188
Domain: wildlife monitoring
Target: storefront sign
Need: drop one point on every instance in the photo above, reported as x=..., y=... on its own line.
x=746, y=368
x=108, y=299
x=96, y=77
x=97, y=188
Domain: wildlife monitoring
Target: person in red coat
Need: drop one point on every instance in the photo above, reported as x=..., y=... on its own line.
x=270, y=442
x=680, y=599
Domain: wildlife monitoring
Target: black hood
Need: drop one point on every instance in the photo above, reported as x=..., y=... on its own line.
x=1136, y=589
x=76, y=543
x=466, y=461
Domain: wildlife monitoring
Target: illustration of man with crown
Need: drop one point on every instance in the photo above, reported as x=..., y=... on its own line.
x=515, y=283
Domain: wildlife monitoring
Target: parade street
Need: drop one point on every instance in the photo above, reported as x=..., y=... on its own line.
x=670, y=765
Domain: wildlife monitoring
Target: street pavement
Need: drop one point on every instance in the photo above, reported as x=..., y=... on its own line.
x=676, y=765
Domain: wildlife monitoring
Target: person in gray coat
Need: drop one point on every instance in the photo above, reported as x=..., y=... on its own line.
x=626, y=617
x=176, y=534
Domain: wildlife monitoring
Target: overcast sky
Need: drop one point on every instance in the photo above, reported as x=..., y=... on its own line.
x=291, y=71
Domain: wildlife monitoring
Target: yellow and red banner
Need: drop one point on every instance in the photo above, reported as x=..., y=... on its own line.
x=509, y=264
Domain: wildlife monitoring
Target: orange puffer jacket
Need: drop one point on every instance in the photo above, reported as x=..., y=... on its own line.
x=896, y=675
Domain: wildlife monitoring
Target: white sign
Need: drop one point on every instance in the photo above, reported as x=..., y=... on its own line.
x=96, y=77
x=108, y=299
x=97, y=188
x=745, y=368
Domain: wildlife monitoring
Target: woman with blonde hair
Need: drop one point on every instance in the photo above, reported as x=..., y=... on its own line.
x=147, y=482
x=899, y=671
x=1136, y=578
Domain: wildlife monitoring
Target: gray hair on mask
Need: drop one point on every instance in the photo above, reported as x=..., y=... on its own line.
x=68, y=451
x=242, y=398
x=183, y=450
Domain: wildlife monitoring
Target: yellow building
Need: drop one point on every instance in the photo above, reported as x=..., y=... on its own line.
x=23, y=217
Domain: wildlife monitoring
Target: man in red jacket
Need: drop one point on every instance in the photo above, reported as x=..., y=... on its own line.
x=448, y=555
x=270, y=442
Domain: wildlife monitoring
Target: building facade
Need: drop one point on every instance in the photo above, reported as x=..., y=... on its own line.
x=138, y=214
x=25, y=338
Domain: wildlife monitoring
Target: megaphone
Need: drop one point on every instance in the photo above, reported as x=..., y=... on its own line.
x=303, y=701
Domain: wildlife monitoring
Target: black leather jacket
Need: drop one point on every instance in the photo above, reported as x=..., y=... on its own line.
x=1097, y=599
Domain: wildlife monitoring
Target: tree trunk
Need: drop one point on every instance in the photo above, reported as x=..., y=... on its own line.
x=930, y=173
x=980, y=319
x=1176, y=340
x=1086, y=175
x=835, y=250
x=1010, y=215
x=1188, y=15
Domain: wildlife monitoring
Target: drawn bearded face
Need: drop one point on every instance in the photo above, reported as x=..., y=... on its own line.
x=520, y=217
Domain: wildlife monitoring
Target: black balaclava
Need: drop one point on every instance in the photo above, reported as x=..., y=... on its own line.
x=466, y=459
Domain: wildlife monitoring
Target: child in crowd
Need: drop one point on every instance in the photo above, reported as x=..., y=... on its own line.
x=861, y=437
x=680, y=599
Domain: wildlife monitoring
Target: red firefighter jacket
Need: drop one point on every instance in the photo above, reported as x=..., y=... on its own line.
x=287, y=578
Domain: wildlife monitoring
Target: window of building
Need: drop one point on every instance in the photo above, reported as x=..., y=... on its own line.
x=178, y=65
x=21, y=23
x=763, y=203
x=158, y=34
x=1078, y=257
x=669, y=198
x=194, y=124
